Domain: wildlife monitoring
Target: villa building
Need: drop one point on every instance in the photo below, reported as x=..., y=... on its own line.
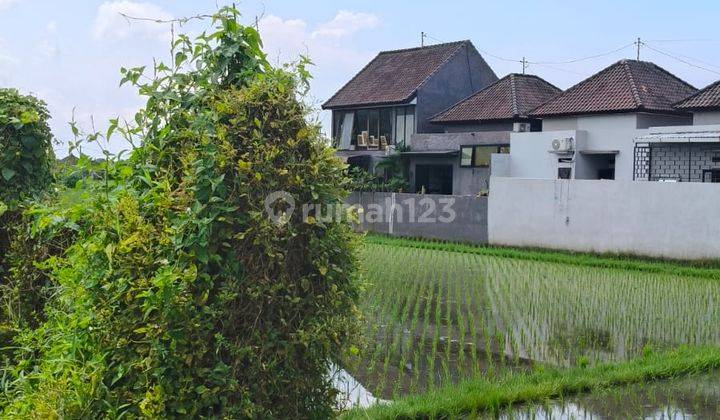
x=397, y=93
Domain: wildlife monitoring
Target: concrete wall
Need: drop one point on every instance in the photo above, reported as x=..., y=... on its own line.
x=659, y=120
x=466, y=181
x=468, y=225
x=488, y=126
x=530, y=155
x=672, y=220
x=462, y=75
x=706, y=118
x=453, y=141
x=602, y=132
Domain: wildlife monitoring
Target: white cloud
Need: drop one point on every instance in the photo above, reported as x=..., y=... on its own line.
x=49, y=47
x=110, y=24
x=329, y=45
x=6, y=4
x=286, y=39
x=346, y=23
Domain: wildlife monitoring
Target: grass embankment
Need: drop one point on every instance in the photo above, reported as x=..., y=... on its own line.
x=484, y=396
x=702, y=269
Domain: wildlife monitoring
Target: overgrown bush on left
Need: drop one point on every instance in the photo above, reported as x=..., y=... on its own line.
x=177, y=296
x=26, y=161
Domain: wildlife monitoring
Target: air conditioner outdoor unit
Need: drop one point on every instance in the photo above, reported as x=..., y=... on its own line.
x=521, y=127
x=563, y=145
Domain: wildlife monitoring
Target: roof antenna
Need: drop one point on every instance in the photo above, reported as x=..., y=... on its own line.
x=423, y=35
x=639, y=43
x=524, y=64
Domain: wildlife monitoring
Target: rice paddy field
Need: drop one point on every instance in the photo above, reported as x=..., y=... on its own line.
x=436, y=317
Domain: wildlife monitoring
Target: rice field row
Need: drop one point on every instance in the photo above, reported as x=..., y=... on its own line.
x=434, y=317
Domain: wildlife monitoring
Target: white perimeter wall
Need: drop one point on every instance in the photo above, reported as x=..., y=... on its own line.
x=672, y=220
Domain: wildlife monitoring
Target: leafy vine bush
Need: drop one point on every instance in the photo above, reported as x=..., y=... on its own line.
x=26, y=159
x=26, y=155
x=179, y=297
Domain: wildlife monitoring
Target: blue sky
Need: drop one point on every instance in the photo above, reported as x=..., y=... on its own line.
x=69, y=53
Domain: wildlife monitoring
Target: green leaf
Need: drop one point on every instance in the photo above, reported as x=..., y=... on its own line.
x=8, y=174
x=29, y=142
x=180, y=57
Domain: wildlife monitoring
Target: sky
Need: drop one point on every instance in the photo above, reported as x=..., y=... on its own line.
x=69, y=53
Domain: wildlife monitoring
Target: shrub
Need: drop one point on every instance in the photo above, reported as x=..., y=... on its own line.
x=26, y=158
x=179, y=297
x=26, y=155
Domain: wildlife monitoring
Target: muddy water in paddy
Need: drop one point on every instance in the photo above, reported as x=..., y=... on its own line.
x=696, y=397
x=435, y=317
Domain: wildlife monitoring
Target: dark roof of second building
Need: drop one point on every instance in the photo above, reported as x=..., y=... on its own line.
x=511, y=97
x=394, y=76
x=628, y=85
x=707, y=98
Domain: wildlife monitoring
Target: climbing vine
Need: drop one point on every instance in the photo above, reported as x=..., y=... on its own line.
x=178, y=296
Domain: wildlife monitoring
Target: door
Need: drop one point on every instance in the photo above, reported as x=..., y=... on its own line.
x=434, y=179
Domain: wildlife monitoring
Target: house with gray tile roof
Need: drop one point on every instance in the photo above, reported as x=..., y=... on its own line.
x=476, y=129
x=396, y=94
x=500, y=105
x=590, y=130
x=704, y=105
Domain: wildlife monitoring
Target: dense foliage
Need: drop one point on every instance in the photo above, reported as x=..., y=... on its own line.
x=26, y=155
x=26, y=159
x=179, y=297
x=388, y=175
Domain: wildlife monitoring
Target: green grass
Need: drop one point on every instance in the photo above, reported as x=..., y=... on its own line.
x=488, y=396
x=702, y=268
x=445, y=319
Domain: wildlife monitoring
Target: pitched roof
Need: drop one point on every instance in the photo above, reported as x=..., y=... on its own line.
x=511, y=97
x=394, y=76
x=707, y=98
x=626, y=86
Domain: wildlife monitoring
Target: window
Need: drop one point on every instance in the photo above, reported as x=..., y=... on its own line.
x=466, y=153
x=404, y=123
x=711, y=175
x=479, y=156
x=342, y=127
x=434, y=179
x=361, y=123
x=386, y=120
x=400, y=126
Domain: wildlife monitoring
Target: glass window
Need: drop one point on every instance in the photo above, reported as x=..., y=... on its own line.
x=466, y=153
x=400, y=126
x=361, y=124
x=409, y=122
x=386, y=117
x=337, y=126
x=373, y=123
x=481, y=157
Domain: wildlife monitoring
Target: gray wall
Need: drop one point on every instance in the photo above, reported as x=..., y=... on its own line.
x=488, y=126
x=645, y=120
x=462, y=75
x=453, y=141
x=466, y=181
x=706, y=117
x=601, y=132
x=658, y=219
x=468, y=225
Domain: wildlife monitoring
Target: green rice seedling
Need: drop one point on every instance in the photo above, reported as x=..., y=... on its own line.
x=541, y=309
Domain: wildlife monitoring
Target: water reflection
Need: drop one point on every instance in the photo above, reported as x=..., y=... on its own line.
x=695, y=397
